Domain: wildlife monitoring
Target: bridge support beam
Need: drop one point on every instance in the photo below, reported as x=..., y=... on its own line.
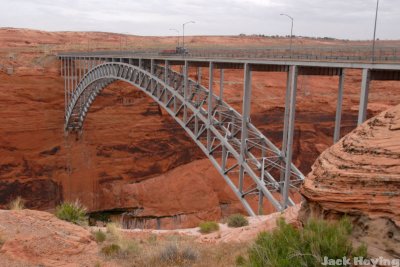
x=185, y=88
x=166, y=79
x=362, y=111
x=338, y=118
x=199, y=75
x=290, y=134
x=245, y=121
x=285, y=128
x=210, y=104
x=221, y=84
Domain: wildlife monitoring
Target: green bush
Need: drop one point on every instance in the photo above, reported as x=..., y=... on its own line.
x=71, y=212
x=100, y=236
x=208, y=227
x=237, y=220
x=287, y=246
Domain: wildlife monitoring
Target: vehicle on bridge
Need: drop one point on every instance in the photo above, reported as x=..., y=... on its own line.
x=179, y=50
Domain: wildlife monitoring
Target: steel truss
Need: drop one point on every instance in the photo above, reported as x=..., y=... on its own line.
x=249, y=162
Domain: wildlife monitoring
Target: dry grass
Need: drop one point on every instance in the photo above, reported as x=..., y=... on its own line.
x=17, y=204
x=171, y=250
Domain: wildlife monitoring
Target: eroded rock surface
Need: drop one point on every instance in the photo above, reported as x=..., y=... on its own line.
x=360, y=176
x=33, y=238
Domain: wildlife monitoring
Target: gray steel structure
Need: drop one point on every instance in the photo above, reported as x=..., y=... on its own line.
x=250, y=163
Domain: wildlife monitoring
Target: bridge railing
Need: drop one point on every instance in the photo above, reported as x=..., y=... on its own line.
x=354, y=54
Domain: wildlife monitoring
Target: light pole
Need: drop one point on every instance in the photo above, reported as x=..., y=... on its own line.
x=373, y=42
x=175, y=30
x=291, y=32
x=183, y=34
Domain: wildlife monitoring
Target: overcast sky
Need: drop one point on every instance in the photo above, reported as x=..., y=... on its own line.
x=349, y=19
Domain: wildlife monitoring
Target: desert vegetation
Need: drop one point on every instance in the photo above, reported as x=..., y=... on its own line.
x=17, y=204
x=237, y=220
x=288, y=246
x=73, y=212
x=208, y=227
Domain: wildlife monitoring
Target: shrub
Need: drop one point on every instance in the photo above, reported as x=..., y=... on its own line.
x=287, y=246
x=2, y=241
x=171, y=254
x=71, y=212
x=100, y=236
x=237, y=220
x=17, y=204
x=111, y=250
x=113, y=230
x=208, y=227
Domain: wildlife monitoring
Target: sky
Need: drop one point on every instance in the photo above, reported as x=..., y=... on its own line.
x=344, y=19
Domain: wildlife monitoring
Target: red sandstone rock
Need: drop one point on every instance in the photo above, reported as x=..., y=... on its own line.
x=133, y=146
x=35, y=238
x=360, y=176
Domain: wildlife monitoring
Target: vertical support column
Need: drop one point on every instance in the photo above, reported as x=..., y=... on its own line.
x=362, y=112
x=199, y=75
x=245, y=121
x=185, y=89
x=210, y=104
x=166, y=79
x=68, y=79
x=221, y=84
x=80, y=70
x=285, y=128
x=64, y=65
x=293, y=91
x=72, y=76
x=140, y=73
x=152, y=73
x=338, y=118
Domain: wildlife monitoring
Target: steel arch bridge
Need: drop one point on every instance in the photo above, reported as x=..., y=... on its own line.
x=253, y=167
x=234, y=146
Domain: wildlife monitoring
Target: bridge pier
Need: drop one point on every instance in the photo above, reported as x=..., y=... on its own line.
x=245, y=121
x=338, y=117
x=290, y=133
x=210, y=103
x=362, y=111
x=221, y=84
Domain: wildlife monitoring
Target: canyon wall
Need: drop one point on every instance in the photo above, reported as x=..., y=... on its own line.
x=132, y=157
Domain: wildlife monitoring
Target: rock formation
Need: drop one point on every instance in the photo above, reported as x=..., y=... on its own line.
x=360, y=176
x=132, y=156
x=36, y=238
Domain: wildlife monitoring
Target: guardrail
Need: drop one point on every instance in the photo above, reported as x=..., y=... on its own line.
x=359, y=54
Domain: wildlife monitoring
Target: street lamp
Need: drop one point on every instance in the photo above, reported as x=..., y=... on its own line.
x=373, y=42
x=183, y=34
x=175, y=30
x=291, y=32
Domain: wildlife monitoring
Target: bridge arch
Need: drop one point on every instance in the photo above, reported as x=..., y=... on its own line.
x=250, y=164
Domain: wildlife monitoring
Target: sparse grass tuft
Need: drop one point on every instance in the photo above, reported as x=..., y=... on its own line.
x=114, y=230
x=72, y=212
x=171, y=254
x=237, y=220
x=287, y=246
x=100, y=236
x=17, y=204
x=111, y=250
x=208, y=227
x=117, y=246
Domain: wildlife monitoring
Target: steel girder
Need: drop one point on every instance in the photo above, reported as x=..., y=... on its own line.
x=249, y=162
